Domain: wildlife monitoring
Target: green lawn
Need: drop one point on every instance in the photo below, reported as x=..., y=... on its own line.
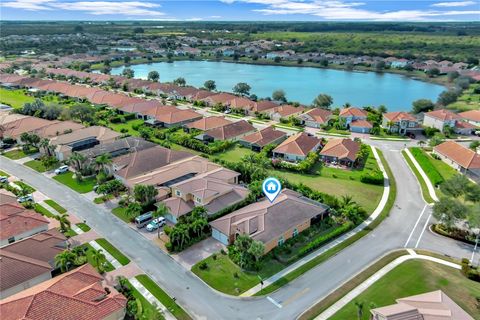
x=14, y=98
x=430, y=170
x=84, y=227
x=70, y=233
x=444, y=169
x=43, y=211
x=55, y=206
x=25, y=186
x=81, y=187
x=468, y=100
x=120, y=212
x=163, y=297
x=18, y=154
x=416, y=277
x=90, y=250
x=147, y=307
x=423, y=185
x=233, y=154
x=36, y=165
x=128, y=126
x=113, y=251
x=4, y=174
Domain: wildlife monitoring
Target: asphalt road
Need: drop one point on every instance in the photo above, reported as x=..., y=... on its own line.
x=402, y=228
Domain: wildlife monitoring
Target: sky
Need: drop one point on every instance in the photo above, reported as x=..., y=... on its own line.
x=242, y=10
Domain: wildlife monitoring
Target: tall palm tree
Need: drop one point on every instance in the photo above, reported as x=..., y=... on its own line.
x=347, y=200
x=77, y=161
x=99, y=258
x=161, y=211
x=65, y=224
x=64, y=260
x=47, y=148
x=102, y=161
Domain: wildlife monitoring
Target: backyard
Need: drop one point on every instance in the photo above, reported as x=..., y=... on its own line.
x=84, y=186
x=14, y=98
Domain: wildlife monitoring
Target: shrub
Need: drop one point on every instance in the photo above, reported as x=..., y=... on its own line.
x=136, y=126
x=203, y=265
x=223, y=252
x=214, y=256
x=373, y=177
x=324, y=238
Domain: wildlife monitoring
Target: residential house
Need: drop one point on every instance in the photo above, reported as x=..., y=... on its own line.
x=231, y=131
x=17, y=222
x=270, y=222
x=315, y=118
x=222, y=98
x=172, y=117
x=340, y=151
x=118, y=147
x=400, y=122
x=430, y=305
x=257, y=140
x=284, y=111
x=57, y=128
x=82, y=139
x=445, y=118
x=297, y=147
x=14, y=129
x=7, y=197
x=214, y=190
x=30, y=261
x=471, y=116
x=361, y=126
x=460, y=158
x=355, y=115
x=80, y=294
x=207, y=123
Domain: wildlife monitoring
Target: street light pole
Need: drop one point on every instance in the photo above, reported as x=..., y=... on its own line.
x=474, y=249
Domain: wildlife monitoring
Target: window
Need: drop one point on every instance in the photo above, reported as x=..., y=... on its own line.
x=198, y=200
x=295, y=232
x=281, y=241
x=178, y=193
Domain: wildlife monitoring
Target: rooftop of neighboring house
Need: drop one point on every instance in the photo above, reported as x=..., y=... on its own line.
x=287, y=110
x=443, y=115
x=159, y=110
x=222, y=98
x=26, y=124
x=208, y=123
x=6, y=117
x=142, y=106
x=58, y=128
x=136, y=163
x=78, y=294
x=177, y=116
x=264, y=105
x=399, y=116
x=28, y=258
x=129, y=144
x=465, y=125
x=465, y=157
x=266, y=221
x=298, y=144
x=16, y=220
x=7, y=197
x=341, y=149
x=431, y=305
x=264, y=137
x=241, y=103
x=361, y=124
x=317, y=114
x=98, y=132
x=230, y=130
x=472, y=115
x=353, y=112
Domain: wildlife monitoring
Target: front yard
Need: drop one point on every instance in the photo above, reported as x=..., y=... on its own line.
x=127, y=127
x=113, y=251
x=234, y=154
x=37, y=165
x=84, y=186
x=14, y=98
x=19, y=154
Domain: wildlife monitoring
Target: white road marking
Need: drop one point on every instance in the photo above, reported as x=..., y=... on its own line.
x=415, y=226
x=275, y=303
x=424, y=227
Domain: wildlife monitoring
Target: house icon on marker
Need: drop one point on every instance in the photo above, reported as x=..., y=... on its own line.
x=272, y=187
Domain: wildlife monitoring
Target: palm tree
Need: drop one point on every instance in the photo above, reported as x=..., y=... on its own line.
x=77, y=161
x=64, y=260
x=347, y=200
x=99, y=258
x=47, y=148
x=102, y=161
x=65, y=224
x=161, y=211
x=421, y=143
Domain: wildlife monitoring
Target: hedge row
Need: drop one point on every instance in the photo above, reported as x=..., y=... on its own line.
x=321, y=240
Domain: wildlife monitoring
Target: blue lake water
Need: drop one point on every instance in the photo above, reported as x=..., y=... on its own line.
x=300, y=84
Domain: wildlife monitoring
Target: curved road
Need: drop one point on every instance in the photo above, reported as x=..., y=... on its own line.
x=289, y=301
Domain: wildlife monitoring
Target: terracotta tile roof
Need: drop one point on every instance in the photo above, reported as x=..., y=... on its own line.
x=266, y=221
x=317, y=114
x=465, y=157
x=465, y=125
x=230, y=130
x=353, y=112
x=57, y=128
x=16, y=220
x=7, y=197
x=208, y=123
x=399, y=116
x=361, y=124
x=177, y=207
x=264, y=136
x=241, y=103
x=263, y=105
x=124, y=145
x=6, y=117
x=75, y=295
x=137, y=163
x=223, y=98
x=472, y=115
x=287, y=110
x=443, y=115
x=299, y=144
x=341, y=149
x=159, y=110
x=178, y=116
x=27, y=124
x=100, y=133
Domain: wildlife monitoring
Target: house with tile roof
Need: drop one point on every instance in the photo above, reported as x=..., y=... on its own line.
x=471, y=116
x=259, y=139
x=351, y=114
x=442, y=118
x=17, y=222
x=284, y=111
x=14, y=129
x=231, y=131
x=431, y=305
x=30, y=261
x=316, y=117
x=207, y=123
x=340, y=151
x=270, y=222
x=172, y=117
x=297, y=147
x=118, y=147
x=57, y=128
x=221, y=98
x=400, y=122
x=80, y=294
x=460, y=158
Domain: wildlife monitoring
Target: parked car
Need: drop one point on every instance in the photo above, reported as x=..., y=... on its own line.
x=155, y=224
x=142, y=220
x=61, y=169
x=26, y=198
x=477, y=133
x=3, y=179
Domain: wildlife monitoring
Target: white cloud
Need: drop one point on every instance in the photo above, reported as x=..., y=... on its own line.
x=454, y=4
x=215, y=17
x=28, y=4
x=194, y=19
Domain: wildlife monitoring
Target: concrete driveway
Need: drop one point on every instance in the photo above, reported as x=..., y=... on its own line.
x=199, y=251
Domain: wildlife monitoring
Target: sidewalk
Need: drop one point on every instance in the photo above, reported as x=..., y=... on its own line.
x=431, y=188
x=154, y=301
x=379, y=274
x=332, y=244
x=55, y=212
x=108, y=256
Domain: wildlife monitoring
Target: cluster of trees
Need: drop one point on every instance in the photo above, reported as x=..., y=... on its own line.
x=246, y=252
x=39, y=109
x=69, y=259
x=190, y=229
x=141, y=200
x=303, y=166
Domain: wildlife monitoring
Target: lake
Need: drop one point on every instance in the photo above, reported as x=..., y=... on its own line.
x=300, y=84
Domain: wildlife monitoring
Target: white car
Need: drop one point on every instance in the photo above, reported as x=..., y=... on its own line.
x=61, y=169
x=155, y=224
x=3, y=179
x=26, y=198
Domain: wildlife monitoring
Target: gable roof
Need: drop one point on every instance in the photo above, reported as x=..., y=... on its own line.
x=264, y=136
x=57, y=128
x=27, y=124
x=15, y=220
x=399, y=116
x=317, y=114
x=341, y=148
x=361, y=124
x=78, y=294
x=443, y=115
x=299, y=144
x=465, y=157
x=208, y=123
x=129, y=144
x=100, y=133
x=177, y=116
x=7, y=197
x=353, y=112
x=472, y=115
x=230, y=130
x=287, y=110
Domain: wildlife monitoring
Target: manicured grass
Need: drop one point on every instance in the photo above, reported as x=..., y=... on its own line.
x=90, y=250
x=444, y=169
x=427, y=166
x=43, y=211
x=415, y=277
x=234, y=154
x=25, y=186
x=163, y=297
x=147, y=307
x=220, y=275
x=55, y=206
x=36, y=165
x=102, y=199
x=14, y=98
x=350, y=285
x=4, y=174
x=423, y=185
x=113, y=251
x=84, y=227
x=17, y=154
x=81, y=187
x=121, y=213
x=70, y=233
x=468, y=100
x=128, y=125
